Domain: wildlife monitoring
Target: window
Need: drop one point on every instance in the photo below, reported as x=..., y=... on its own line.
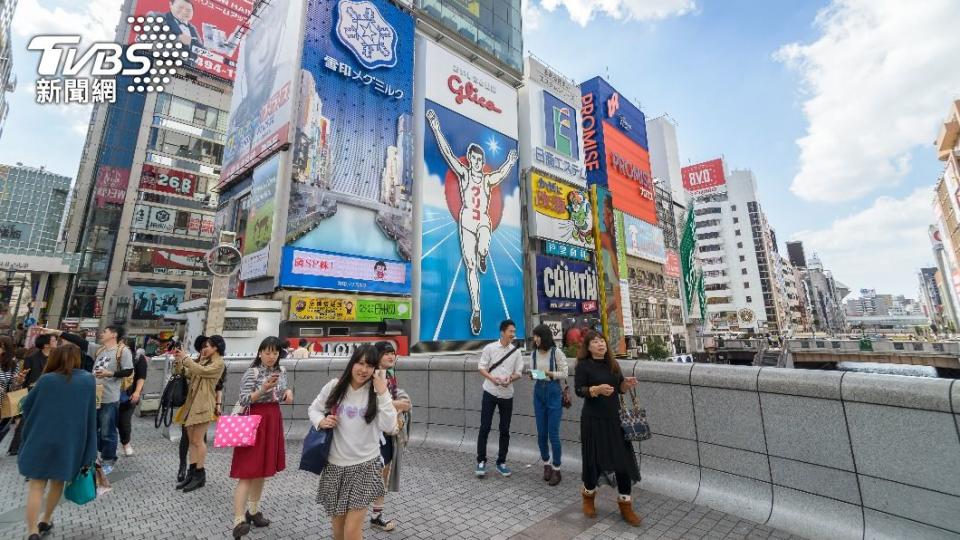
x=749, y=299
x=736, y=232
x=743, y=258
x=733, y=207
x=706, y=211
x=746, y=284
x=736, y=220
x=739, y=245
x=706, y=249
x=743, y=271
x=707, y=223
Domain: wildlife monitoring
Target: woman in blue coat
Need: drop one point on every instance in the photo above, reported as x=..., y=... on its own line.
x=59, y=433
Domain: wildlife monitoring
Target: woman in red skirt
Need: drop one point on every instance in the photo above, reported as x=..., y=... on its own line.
x=263, y=389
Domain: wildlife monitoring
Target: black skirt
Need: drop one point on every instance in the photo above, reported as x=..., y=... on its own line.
x=605, y=452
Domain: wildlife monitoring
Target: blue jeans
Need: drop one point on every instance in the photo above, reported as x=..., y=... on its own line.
x=548, y=408
x=107, y=431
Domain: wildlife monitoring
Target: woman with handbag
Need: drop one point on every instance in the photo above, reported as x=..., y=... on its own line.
x=606, y=454
x=11, y=378
x=59, y=433
x=200, y=408
x=358, y=408
x=391, y=444
x=548, y=398
x=262, y=390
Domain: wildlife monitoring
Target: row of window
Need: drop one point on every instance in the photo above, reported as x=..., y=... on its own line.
x=192, y=112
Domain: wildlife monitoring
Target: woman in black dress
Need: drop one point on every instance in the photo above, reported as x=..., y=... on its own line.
x=607, y=456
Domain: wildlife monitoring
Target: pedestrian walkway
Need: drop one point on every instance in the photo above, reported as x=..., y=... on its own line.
x=440, y=500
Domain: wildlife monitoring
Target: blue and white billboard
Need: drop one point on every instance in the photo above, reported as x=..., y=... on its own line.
x=472, y=257
x=312, y=269
x=352, y=177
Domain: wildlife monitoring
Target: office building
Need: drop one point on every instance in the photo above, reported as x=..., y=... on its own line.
x=492, y=27
x=945, y=231
x=931, y=299
x=8, y=81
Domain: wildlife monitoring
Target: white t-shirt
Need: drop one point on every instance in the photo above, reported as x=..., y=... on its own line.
x=354, y=440
x=492, y=354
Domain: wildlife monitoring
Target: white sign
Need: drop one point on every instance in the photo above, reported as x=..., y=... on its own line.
x=255, y=264
x=460, y=86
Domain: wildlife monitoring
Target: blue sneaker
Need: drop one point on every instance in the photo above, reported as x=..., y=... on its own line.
x=504, y=470
x=481, y=471
x=107, y=468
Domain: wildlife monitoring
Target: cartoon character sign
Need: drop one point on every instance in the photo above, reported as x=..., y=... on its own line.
x=561, y=212
x=578, y=208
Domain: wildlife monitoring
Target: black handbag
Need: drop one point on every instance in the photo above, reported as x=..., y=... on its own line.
x=174, y=395
x=633, y=419
x=316, y=450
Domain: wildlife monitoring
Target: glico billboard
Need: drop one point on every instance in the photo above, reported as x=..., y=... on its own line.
x=471, y=245
x=351, y=183
x=550, y=129
x=615, y=149
x=703, y=177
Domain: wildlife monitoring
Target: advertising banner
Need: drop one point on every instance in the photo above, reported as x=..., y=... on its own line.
x=347, y=309
x=352, y=178
x=628, y=175
x=310, y=269
x=551, y=105
x=567, y=251
x=344, y=346
x=566, y=286
x=560, y=212
x=154, y=301
x=643, y=240
x=262, y=107
x=160, y=219
x=671, y=268
x=111, y=185
x=209, y=30
x=262, y=219
x=608, y=270
x=625, y=306
x=703, y=177
x=471, y=270
x=166, y=180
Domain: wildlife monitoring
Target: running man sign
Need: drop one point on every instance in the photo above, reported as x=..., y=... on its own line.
x=471, y=255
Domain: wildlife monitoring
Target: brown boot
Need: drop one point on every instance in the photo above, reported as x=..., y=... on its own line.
x=589, y=509
x=554, y=477
x=626, y=510
x=546, y=472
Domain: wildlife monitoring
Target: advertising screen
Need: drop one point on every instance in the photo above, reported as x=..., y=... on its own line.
x=703, y=177
x=209, y=30
x=643, y=240
x=471, y=268
x=166, y=180
x=310, y=269
x=561, y=212
x=111, y=186
x=347, y=309
x=551, y=102
x=352, y=179
x=262, y=106
x=262, y=219
x=608, y=268
x=564, y=285
x=154, y=301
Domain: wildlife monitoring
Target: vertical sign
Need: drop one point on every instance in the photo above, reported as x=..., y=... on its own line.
x=261, y=220
x=611, y=314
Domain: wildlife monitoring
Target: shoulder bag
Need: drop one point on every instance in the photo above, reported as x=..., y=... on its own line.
x=499, y=362
x=316, y=450
x=633, y=419
x=83, y=488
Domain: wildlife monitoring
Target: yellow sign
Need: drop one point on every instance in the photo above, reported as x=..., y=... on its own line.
x=554, y=199
x=347, y=309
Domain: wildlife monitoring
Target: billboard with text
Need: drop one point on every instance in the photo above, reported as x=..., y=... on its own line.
x=561, y=212
x=311, y=269
x=703, y=177
x=550, y=113
x=643, y=240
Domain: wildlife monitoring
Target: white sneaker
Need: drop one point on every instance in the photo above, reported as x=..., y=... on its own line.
x=127, y=450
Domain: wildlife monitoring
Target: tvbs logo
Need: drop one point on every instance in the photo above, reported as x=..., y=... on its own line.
x=149, y=63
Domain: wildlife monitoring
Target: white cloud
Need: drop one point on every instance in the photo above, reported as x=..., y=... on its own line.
x=95, y=20
x=881, y=247
x=879, y=80
x=582, y=11
x=531, y=14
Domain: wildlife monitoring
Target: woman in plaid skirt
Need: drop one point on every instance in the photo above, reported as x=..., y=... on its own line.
x=359, y=408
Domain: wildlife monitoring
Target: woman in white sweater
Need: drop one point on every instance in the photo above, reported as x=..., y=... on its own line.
x=358, y=407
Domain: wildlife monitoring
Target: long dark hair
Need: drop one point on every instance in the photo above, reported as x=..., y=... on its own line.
x=608, y=356
x=8, y=360
x=63, y=360
x=368, y=355
x=271, y=343
x=546, y=337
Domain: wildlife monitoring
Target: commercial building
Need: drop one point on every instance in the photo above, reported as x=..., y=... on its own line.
x=931, y=299
x=826, y=298
x=797, y=297
x=32, y=206
x=491, y=28
x=8, y=82
x=145, y=209
x=872, y=304
x=945, y=231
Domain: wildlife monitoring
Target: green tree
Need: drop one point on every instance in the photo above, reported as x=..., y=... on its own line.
x=656, y=349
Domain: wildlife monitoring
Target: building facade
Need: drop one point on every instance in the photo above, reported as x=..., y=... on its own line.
x=8, y=82
x=931, y=299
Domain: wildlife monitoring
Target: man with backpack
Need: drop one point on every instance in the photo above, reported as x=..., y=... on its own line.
x=500, y=365
x=112, y=363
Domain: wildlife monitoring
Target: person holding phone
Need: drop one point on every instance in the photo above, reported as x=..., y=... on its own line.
x=607, y=457
x=358, y=407
x=200, y=408
x=263, y=388
x=549, y=367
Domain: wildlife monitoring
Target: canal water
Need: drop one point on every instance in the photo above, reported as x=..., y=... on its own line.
x=352, y=230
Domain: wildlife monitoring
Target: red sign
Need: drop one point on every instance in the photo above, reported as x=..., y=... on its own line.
x=469, y=92
x=672, y=267
x=628, y=175
x=210, y=30
x=703, y=176
x=166, y=180
x=178, y=259
x=344, y=346
x=589, y=306
x=111, y=187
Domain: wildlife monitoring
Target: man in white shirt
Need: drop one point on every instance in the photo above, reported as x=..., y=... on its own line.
x=498, y=393
x=301, y=351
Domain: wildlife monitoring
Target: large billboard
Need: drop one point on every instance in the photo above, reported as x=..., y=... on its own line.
x=347, y=308
x=150, y=302
x=561, y=212
x=262, y=107
x=615, y=149
x=352, y=179
x=608, y=269
x=262, y=219
x=209, y=31
x=550, y=109
x=167, y=180
x=471, y=267
x=311, y=269
x=564, y=285
x=643, y=240
x=703, y=177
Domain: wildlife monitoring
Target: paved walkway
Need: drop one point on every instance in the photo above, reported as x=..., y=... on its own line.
x=440, y=500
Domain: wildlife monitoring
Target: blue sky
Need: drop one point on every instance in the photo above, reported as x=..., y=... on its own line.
x=834, y=104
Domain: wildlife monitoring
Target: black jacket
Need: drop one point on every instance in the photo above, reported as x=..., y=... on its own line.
x=35, y=363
